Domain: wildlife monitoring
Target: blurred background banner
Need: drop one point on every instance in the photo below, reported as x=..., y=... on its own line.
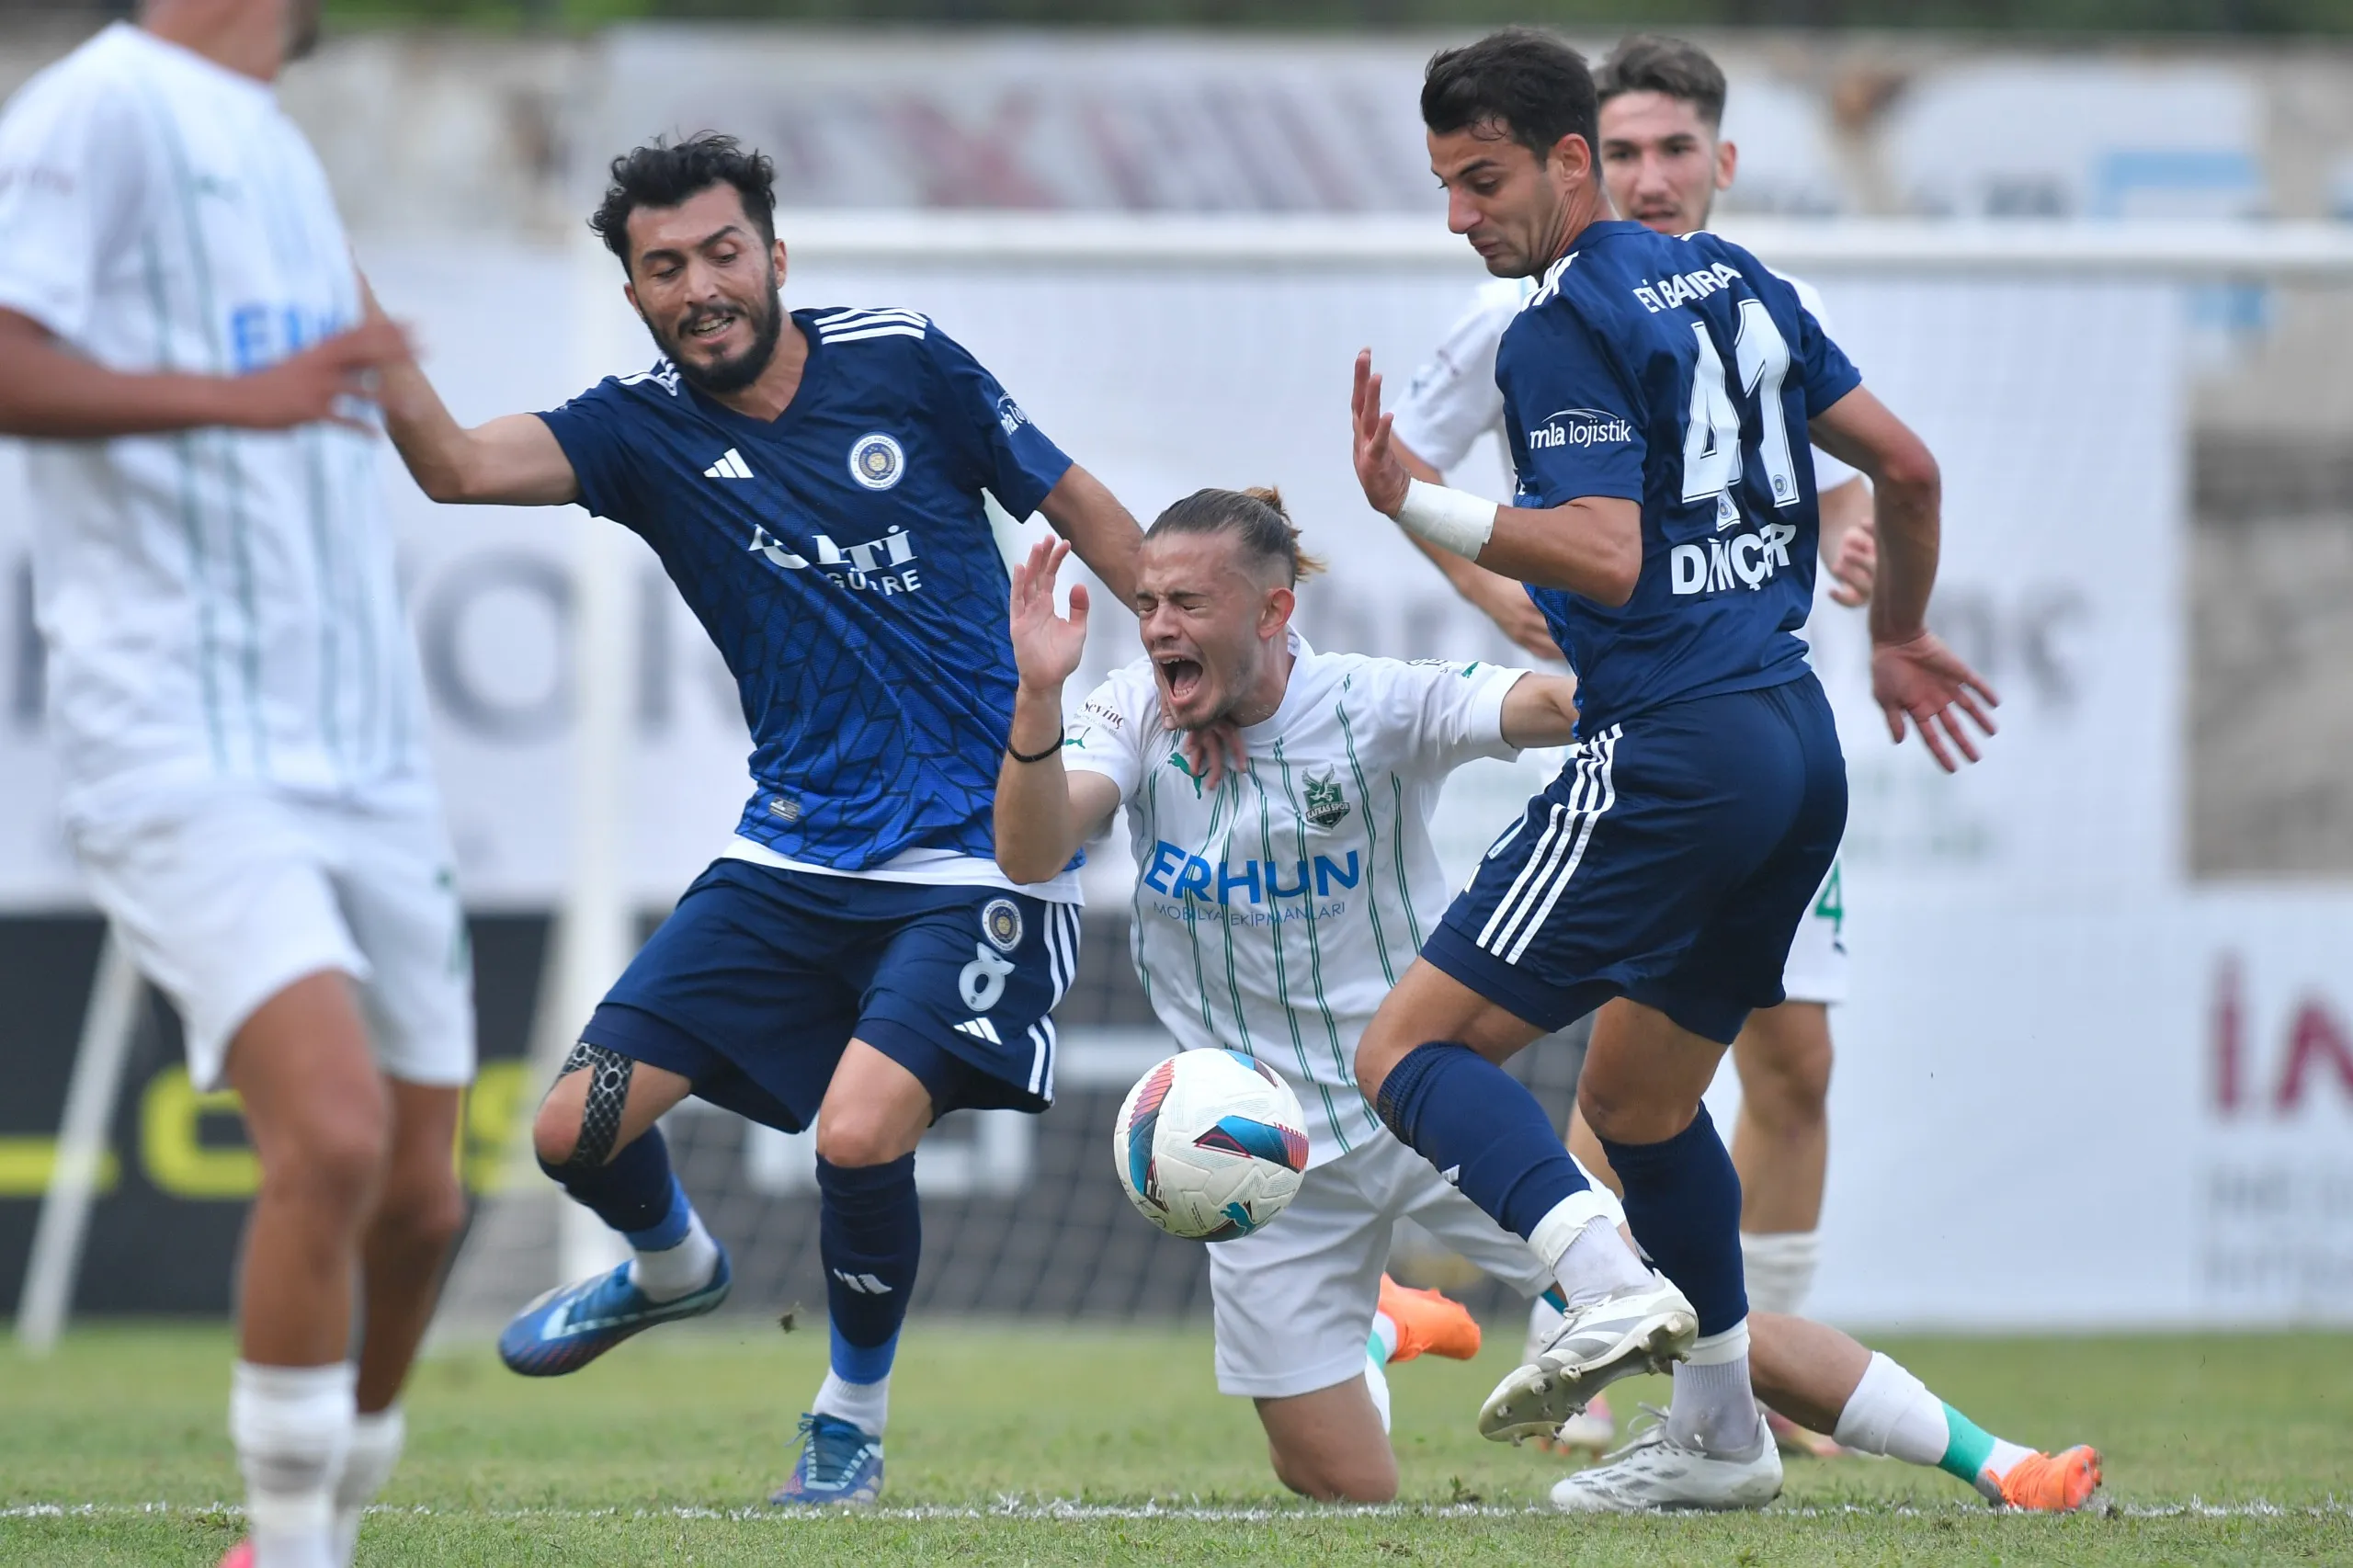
x=2109, y=956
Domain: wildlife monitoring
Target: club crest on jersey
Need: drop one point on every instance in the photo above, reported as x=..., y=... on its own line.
x=876, y=460
x=1324, y=806
x=1001, y=923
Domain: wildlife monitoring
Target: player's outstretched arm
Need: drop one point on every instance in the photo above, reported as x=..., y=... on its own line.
x=512, y=461
x=47, y=390
x=1500, y=599
x=1044, y=812
x=1540, y=710
x=1591, y=546
x=1084, y=511
x=1914, y=674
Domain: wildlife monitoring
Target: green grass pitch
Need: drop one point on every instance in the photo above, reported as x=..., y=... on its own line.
x=1054, y=1443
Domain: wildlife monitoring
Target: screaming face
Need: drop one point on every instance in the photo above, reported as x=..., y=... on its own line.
x=1215, y=631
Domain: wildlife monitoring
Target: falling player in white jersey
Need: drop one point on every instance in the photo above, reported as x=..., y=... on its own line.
x=1663, y=158
x=1275, y=906
x=233, y=697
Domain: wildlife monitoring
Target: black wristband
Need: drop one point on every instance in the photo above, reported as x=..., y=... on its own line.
x=1019, y=756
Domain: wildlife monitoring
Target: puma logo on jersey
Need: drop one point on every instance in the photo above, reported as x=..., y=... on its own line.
x=1747, y=561
x=731, y=466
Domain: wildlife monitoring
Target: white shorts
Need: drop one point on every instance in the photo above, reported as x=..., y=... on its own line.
x=1817, y=968
x=226, y=897
x=1293, y=1303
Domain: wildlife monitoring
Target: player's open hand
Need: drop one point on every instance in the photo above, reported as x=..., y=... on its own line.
x=1047, y=646
x=324, y=383
x=1378, y=470
x=1923, y=680
x=1853, y=566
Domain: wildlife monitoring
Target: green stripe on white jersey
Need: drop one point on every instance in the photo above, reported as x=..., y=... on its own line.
x=1275, y=911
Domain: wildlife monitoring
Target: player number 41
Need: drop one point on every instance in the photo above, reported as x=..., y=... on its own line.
x=1712, y=461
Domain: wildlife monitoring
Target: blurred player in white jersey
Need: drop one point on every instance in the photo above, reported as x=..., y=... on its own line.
x=1664, y=159
x=233, y=699
x=1276, y=903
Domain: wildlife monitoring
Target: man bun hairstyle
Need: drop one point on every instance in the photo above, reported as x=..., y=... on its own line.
x=1521, y=82
x=665, y=173
x=1649, y=62
x=1254, y=517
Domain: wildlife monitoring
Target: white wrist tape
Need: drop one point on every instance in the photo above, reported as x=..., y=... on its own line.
x=1450, y=519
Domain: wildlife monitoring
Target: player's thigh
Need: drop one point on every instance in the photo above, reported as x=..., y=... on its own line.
x=315, y=1109
x=1783, y=1056
x=1329, y=1444
x=224, y=899
x=1429, y=1004
x=961, y=994
x=1292, y=1304
x=395, y=881
x=749, y=991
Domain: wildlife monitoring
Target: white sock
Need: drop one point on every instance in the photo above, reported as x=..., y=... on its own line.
x=1779, y=1268
x=865, y=1406
x=291, y=1426
x=677, y=1270
x=1893, y=1413
x=1376, y=1383
x=1714, y=1409
x=1382, y=1346
x=1589, y=1259
x=376, y=1442
x=1544, y=1321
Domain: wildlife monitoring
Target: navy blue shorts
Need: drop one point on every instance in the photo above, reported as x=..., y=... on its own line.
x=1670, y=862
x=760, y=977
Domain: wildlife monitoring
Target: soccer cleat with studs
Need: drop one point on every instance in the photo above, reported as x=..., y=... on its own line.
x=1643, y=1330
x=572, y=1325
x=840, y=1466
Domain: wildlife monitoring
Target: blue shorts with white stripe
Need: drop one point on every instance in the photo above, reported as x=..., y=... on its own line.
x=1670, y=862
x=761, y=976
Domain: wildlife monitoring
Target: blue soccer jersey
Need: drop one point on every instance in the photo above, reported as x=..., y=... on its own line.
x=1678, y=373
x=841, y=560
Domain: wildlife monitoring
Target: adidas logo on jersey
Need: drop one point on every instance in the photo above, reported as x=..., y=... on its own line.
x=981, y=1029
x=864, y=1284
x=731, y=466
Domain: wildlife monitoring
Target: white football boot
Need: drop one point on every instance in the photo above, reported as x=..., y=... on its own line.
x=1644, y=1330
x=1652, y=1472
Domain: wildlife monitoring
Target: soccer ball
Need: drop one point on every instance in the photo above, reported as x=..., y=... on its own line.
x=1209, y=1145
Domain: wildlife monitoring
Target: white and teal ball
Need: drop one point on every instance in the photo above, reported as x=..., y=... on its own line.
x=1210, y=1146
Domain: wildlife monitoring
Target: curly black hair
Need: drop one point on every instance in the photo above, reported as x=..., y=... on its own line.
x=664, y=174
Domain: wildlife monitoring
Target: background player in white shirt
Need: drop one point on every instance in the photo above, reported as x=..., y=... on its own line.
x=1275, y=905
x=1663, y=160
x=233, y=697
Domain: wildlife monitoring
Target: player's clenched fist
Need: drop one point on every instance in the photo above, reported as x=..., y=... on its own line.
x=315, y=384
x=1378, y=470
x=1046, y=646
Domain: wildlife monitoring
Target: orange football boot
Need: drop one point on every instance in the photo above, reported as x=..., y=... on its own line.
x=2047, y=1484
x=1429, y=1322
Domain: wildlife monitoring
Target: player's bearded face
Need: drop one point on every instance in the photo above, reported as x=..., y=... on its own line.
x=707, y=338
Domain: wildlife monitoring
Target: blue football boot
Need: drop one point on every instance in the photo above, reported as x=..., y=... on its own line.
x=572, y=1325
x=838, y=1464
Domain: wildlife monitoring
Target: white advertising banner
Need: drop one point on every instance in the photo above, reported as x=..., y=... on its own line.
x=2071, y=1087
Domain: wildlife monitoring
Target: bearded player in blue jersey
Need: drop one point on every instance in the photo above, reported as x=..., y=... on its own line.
x=1659, y=394
x=812, y=481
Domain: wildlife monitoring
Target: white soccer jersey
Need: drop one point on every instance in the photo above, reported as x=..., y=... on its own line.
x=1453, y=399
x=1273, y=913
x=217, y=605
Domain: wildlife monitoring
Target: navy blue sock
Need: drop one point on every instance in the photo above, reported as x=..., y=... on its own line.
x=870, y=1235
x=1483, y=1129
x=1683, y=1202
x=634, y=1192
